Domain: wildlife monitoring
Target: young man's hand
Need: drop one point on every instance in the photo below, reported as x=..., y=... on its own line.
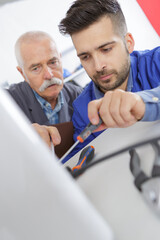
x=117, y=109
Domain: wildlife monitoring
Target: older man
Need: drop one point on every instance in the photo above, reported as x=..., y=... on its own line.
x=42, y=96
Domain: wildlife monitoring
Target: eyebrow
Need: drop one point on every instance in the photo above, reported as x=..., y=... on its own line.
x=34, y=65
x=37, y=64
x=54, y=58
x=99, y=47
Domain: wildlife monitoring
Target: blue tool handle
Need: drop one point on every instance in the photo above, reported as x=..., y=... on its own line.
x=85, y=157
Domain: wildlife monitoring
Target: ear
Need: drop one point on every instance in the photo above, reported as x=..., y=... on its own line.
x=21, y=72
x=129, y=42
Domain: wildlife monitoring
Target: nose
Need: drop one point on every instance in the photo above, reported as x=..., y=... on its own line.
x=99, y=63
x=48, y=73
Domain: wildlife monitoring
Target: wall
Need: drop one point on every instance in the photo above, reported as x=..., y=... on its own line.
x=21, y=16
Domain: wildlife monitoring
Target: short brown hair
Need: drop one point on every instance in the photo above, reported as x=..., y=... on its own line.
x=83, y=13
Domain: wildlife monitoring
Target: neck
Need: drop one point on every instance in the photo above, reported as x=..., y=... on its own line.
x=53, y=104
x=124, y=85
x=52, y=101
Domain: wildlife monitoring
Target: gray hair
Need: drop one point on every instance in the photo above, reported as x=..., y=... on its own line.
x=27, y=38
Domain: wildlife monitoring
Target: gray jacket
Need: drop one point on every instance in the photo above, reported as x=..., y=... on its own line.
x=25, y=98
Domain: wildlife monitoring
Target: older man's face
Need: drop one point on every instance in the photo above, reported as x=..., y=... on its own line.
x=42, y=68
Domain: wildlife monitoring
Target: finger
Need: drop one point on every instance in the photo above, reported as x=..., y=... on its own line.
x=43, y=133
x=54, y=135
x=138, y=109
x=93, y=111
x=127, y=104
x=105, y=112
x=115, y=108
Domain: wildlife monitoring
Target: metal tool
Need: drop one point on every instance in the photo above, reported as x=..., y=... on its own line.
x=149, y=186
x=82, y=137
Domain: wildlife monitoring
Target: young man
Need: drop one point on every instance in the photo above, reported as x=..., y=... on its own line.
x=42, y=96
x=105, y=48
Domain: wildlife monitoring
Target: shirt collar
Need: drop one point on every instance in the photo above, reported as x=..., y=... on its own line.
x=60, y=102
x=130, y=81
x=45, y=104
x=97, y=92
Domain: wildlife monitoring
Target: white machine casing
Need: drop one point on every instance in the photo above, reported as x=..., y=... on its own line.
x=38, y=197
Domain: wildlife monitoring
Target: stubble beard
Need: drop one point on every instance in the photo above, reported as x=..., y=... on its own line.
x=120, y=77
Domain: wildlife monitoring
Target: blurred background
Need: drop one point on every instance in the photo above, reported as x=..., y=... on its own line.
x=19, y=16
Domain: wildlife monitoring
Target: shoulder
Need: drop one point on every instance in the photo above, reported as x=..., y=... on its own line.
x=21, y=91
x=84, y=98
x=71, y=91
x=71, y=87
x=18, y=87
x=148, y=60
x=87, y=94
x=152, y=54
x=145, y=68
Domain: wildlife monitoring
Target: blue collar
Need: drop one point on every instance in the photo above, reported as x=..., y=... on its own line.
x=52, y=114
x=98, y=93
x=130, y=81
x=44, y=103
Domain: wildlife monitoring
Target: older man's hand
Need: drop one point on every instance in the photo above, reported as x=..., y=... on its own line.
x=117, y=109
x=48, y=134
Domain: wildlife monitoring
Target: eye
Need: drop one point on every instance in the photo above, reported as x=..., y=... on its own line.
x=35, y=69
x=106, y=49
x=54, y=62
x=84, y=57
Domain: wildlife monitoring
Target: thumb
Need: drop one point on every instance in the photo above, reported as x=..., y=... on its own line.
x=138, y=109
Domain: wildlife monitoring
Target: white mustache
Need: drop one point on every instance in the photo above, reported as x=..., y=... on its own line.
x=48, y=83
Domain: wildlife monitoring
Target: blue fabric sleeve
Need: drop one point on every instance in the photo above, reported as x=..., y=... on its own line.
x=151, y=99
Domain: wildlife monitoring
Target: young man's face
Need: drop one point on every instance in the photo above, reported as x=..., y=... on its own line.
x=41, y=64
x=104, y=54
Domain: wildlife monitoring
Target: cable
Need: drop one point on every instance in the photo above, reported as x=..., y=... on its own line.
x=82, y=170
